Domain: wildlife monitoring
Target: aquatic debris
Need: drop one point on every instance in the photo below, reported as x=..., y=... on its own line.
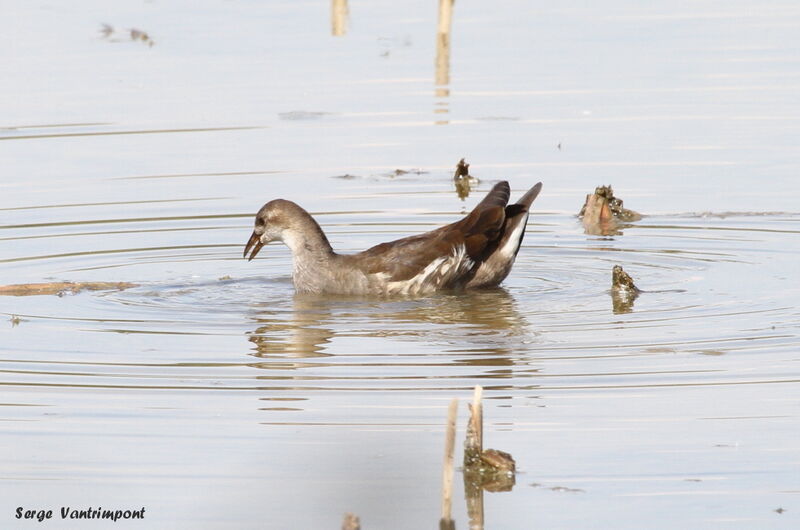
x=462, y=170
x=111, y=34
x=401, y=172
x=388, y=44
x=498, y=461
x=566, y=490
x=622, y=281
x=623, y=291
x=463, y=180
x=61, y=288
x=603, y=213
x=351, y=522
x=560, y=489
x=491, y=469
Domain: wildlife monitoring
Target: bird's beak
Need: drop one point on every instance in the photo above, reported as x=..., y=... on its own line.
x=255, y=243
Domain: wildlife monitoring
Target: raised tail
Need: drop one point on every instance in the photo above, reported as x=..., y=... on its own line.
x=498, y=263
x=530, y=196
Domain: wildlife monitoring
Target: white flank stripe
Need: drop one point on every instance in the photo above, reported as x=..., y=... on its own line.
x=512, y=244
x=437, y=273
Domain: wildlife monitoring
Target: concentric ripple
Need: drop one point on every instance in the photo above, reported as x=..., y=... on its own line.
x=554, y=323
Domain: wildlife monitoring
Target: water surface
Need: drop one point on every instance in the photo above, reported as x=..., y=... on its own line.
x=215, y=397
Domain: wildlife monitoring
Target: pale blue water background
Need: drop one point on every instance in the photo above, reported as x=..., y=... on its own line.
x=230, y=403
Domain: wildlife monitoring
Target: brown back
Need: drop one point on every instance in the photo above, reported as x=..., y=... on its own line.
x=478, y=232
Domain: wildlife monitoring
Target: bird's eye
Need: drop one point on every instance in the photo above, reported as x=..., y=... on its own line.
x=259, y=222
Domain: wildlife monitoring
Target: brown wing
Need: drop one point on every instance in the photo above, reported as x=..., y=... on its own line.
x=404, y=258
x=497, y=196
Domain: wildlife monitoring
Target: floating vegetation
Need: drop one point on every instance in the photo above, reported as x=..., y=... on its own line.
x=401, y=172
x=111, y=34
x=559, y=489
x=603, y=214
x=61, y=288
x=622, y=281
x=463, y=180
x=351, y=522
x=623, y=291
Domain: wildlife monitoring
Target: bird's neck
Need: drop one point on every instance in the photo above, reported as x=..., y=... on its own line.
x=305, y=237
x=311, y=252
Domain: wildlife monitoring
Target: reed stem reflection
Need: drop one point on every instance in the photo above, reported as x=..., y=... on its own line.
x=339, y=14
x=442, y=77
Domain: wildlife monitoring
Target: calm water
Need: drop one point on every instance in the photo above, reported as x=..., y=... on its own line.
x=213, y=396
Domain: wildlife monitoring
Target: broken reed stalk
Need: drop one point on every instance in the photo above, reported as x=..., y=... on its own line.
x=446, y=522
x=477, y=406
x=473, y=446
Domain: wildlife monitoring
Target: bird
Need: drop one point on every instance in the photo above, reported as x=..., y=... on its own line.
x=475, y=252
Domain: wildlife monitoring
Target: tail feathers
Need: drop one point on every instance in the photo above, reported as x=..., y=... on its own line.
x=499, y=257
x=527, y=199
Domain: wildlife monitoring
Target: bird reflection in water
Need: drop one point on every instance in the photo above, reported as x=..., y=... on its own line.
x=481, y=321
x=301, y=335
